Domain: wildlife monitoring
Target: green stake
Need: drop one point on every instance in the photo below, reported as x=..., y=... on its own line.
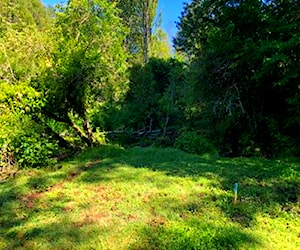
x=236, y=185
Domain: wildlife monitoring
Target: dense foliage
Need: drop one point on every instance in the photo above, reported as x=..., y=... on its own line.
x=88, y=64
x=152, y=100
x=244, y=73
x=72, y=75
x=56, y=78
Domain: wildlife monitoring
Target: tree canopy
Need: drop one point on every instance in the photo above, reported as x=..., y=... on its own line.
x=245, y=64
x=78, y=74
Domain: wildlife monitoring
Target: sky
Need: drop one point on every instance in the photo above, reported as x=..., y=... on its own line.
x=171, y=11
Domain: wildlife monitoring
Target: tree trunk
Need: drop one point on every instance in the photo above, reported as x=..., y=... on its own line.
x=61, y=141
x=146, y=31
x=80, y=133
x=166, y=125
x=48, y=130
x=88, y=130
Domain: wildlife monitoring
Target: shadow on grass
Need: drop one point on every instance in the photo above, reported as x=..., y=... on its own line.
x=22, y=204
x=264, y=186
x=26, y=220
x=193, y=236
x=64, y=234
x=267, y=186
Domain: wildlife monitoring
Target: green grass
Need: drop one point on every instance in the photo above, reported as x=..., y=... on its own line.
x=148, y=198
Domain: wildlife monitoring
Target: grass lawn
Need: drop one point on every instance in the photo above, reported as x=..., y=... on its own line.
x=149, y=198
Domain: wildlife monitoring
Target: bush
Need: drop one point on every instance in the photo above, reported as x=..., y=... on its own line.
x=32, y=148
x=164, y=141
x=193, y=143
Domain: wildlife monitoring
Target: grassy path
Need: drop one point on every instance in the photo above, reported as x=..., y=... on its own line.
x=146, y=198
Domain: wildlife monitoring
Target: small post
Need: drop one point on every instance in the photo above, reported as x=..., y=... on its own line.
x=236, y=185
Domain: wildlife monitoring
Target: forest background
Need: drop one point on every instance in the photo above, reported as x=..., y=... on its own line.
x=96, y=71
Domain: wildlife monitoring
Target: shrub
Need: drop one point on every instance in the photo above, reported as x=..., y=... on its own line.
x=194, y=143
x=164, y=141
x=33, y=150
x=32, y=147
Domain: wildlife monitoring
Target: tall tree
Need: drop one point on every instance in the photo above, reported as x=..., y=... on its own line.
x=244, y=56
x=89, y=63
x=59, y=77
x=160, y=46
x=139, y=17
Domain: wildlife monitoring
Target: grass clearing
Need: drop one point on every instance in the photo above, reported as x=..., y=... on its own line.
x=149, y=198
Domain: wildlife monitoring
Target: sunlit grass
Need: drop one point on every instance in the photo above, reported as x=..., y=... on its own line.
x=147, y=198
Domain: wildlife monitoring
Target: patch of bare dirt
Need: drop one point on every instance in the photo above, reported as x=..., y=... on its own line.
x=91, y=164
x=73, y=174
x=183, y=215
x=29, y=200
x=200, y=195
x=132, y=217
x=57, y=186
x=101, y=192
x=69, y=206
x=157, y=221
x=183, y=197
x=147, y=198
x=92, y=216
